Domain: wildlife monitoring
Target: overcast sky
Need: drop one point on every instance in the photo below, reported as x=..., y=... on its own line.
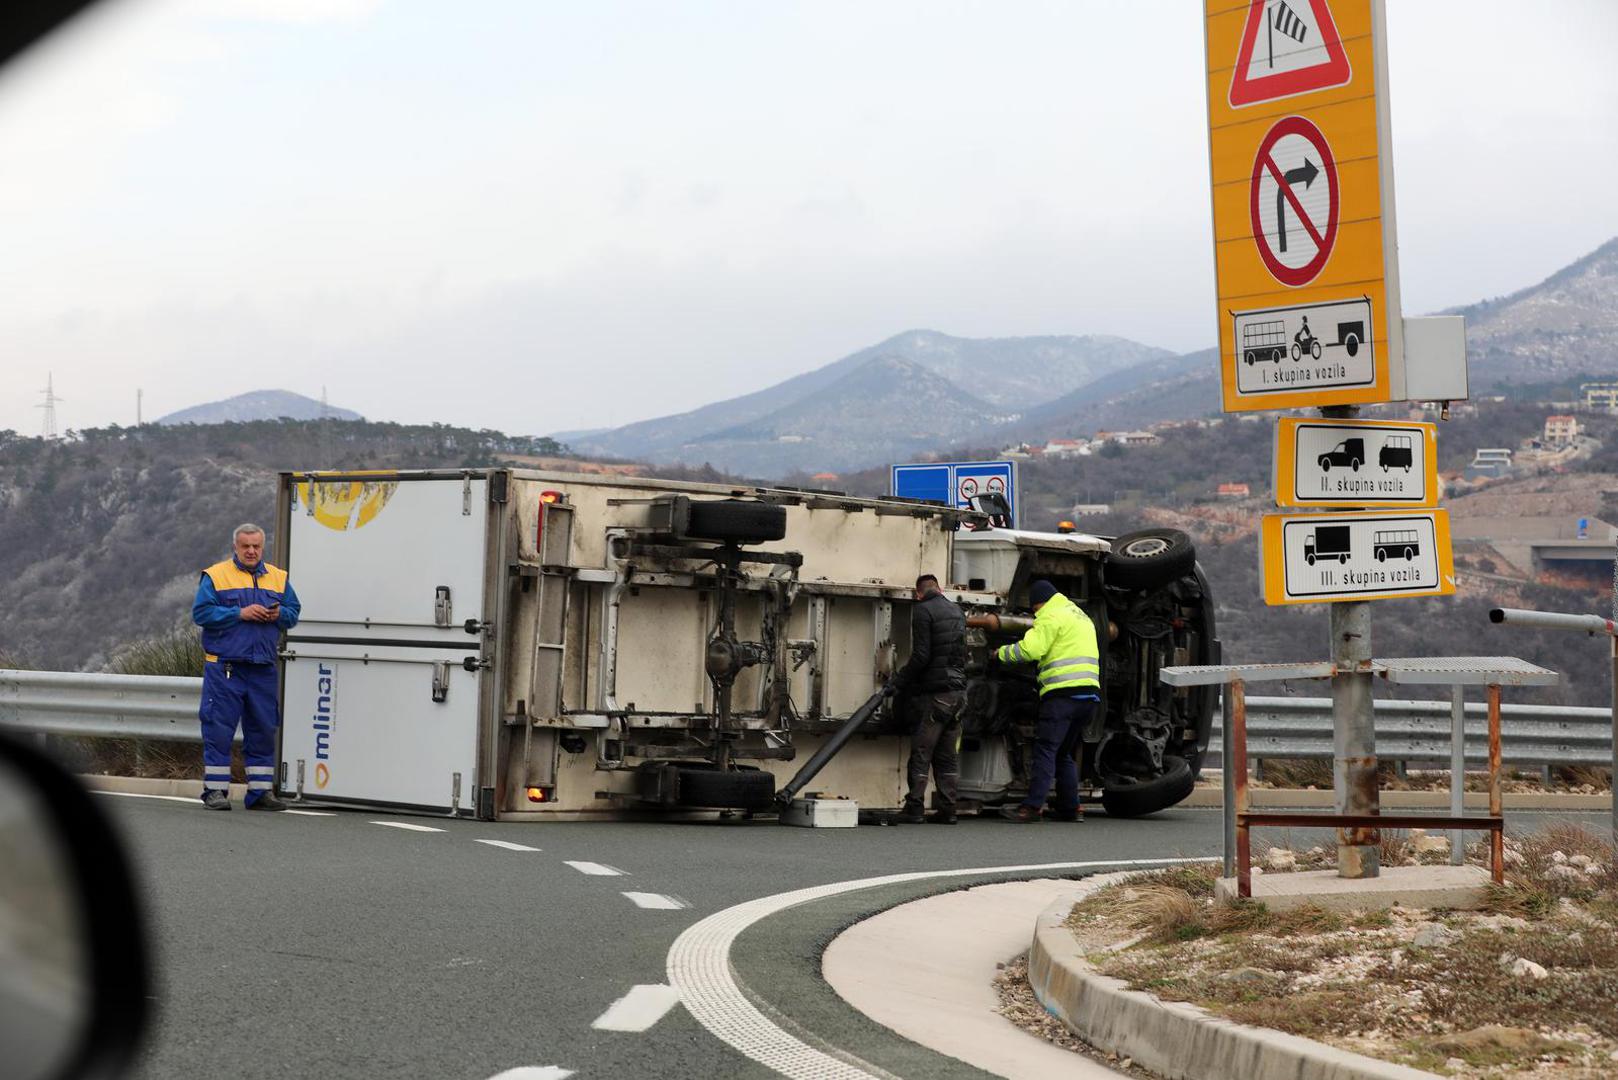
x=537, y=216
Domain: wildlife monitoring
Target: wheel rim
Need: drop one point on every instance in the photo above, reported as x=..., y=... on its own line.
x=1146, y=547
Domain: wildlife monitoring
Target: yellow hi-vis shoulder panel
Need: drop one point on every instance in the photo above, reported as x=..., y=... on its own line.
x=1063, y=643
x=227, y=575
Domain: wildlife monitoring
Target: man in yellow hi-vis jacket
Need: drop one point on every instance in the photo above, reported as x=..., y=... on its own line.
x=1063, y=643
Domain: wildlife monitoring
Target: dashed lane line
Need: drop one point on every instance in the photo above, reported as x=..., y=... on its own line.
x=310, y=813
x=406, y=825
x=639, y=1009
x=506, y=844
x=595, y=869
x=700, y=971
x=656, y=901
x=535, y=1072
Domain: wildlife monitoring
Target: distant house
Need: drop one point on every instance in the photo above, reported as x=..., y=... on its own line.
x=1232, y=491
x=1090, y=509
x=1136, y=438
x=1561, y=429
x=1066, y=448
x=1600, y=395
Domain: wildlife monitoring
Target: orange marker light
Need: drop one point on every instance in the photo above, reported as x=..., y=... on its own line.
x=536, y=794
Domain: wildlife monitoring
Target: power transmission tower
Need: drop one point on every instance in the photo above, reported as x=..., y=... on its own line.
x=49, y=406
x=139, y=393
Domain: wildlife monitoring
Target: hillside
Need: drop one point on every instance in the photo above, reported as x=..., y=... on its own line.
x=1566, y=324
x=258, y=405
x=102, y=536
x=1000, y=377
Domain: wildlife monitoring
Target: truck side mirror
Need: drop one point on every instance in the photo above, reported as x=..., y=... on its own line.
x=994, y=505
x=74, y=986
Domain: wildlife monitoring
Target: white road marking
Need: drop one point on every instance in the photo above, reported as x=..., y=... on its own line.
x=595, y=869
x=310, y=813
x=699, y=969
x=406, y=825
x=142, y=795
x=535, y=1072
x=507, y=844
x=657, y=901
x=639, y=1009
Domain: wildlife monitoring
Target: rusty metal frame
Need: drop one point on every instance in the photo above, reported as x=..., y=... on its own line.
x=1247, y=819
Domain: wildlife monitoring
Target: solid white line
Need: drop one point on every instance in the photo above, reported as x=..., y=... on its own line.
x=639, y=1009
x=143, y=795
x=699, y=968
x=535, y=1072
x=310, y=813
x=406, y=825
x=595, y=869
x=657, y=901
x=506, y=844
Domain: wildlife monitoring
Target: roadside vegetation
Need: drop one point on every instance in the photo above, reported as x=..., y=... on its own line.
x=1528, y=986
x=1306, y=774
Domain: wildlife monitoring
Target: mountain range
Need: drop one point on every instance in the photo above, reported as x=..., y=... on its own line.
x=903, y=396
x=259, y=405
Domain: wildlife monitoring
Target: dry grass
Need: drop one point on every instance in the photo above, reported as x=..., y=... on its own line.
x=176, y=652
x=1356, y=980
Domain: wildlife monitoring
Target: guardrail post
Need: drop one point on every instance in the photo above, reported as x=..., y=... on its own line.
x=1497, y=836
x=1457, y=771
x=1238, y=765
x=1226, y=753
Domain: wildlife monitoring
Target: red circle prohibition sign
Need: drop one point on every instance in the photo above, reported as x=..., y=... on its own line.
x=1264, y=163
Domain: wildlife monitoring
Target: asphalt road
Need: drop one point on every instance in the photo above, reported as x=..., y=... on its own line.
x=339, y=946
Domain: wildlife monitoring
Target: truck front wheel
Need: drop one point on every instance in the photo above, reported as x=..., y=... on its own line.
x=1141, y=560
x=737, y=521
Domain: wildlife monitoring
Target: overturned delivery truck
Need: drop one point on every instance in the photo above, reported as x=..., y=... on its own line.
x=521, y=644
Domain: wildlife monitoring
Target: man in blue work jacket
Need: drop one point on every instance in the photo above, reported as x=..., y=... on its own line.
x=242, y=605
x=1062, y=642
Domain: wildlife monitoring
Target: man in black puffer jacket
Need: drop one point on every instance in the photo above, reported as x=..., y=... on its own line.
x=935, y=680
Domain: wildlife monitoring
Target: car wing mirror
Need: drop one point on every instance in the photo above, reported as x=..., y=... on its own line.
x=74, y=975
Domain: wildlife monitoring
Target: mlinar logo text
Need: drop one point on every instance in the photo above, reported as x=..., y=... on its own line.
x=325, y=721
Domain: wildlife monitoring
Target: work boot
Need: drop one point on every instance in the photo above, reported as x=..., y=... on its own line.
x=216, y=799
x=266, y=801
x=1020, y=814
x=1076, y=814
x=912, y=814
x=942, y=817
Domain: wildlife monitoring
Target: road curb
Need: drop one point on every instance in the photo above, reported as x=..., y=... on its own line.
x=1213, y=797
x=1177, y=1040
x=150, y=785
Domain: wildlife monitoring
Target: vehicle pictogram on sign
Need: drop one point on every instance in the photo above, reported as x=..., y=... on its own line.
x=1305, y=346
x=1288, y=47
x=1294, y=201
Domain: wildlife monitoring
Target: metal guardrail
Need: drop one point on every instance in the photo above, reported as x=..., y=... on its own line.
x=100, y=706
x=158, y=707
x=1419, y=731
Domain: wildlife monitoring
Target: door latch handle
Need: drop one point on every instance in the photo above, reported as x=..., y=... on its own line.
x=440, y=681
x=442, y=606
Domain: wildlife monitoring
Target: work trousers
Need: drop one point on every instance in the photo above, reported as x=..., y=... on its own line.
x=1062, y=720
x=935, y=743
x=247, y=694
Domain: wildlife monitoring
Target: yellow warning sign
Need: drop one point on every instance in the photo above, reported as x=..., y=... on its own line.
x=1302, y=188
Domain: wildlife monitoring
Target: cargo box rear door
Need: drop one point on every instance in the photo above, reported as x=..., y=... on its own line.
x=383, y=682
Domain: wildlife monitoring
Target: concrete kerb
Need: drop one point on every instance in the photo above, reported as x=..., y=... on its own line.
x=1174, y=1039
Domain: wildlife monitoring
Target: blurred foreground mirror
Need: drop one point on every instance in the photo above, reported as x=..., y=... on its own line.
x=73, y=973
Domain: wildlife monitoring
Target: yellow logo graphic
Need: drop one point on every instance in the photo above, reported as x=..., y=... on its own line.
x=322, y=775
x=346, y=504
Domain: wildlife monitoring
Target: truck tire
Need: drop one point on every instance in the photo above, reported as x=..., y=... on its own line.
x=737, y=521
x=736, y=789
x=1150, y=557
x=1124, y=797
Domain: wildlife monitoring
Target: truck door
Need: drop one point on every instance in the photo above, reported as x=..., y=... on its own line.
x=383, y=683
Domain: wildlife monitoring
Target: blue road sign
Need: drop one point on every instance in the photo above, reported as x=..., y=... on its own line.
x=953, y=483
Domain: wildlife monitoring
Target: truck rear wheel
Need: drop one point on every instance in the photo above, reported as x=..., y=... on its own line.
x=1127, y=797
x=737, y=789
x=737, y=521
x=1140, y=560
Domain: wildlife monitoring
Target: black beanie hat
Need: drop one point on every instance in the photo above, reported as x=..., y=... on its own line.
x=1041, y=591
